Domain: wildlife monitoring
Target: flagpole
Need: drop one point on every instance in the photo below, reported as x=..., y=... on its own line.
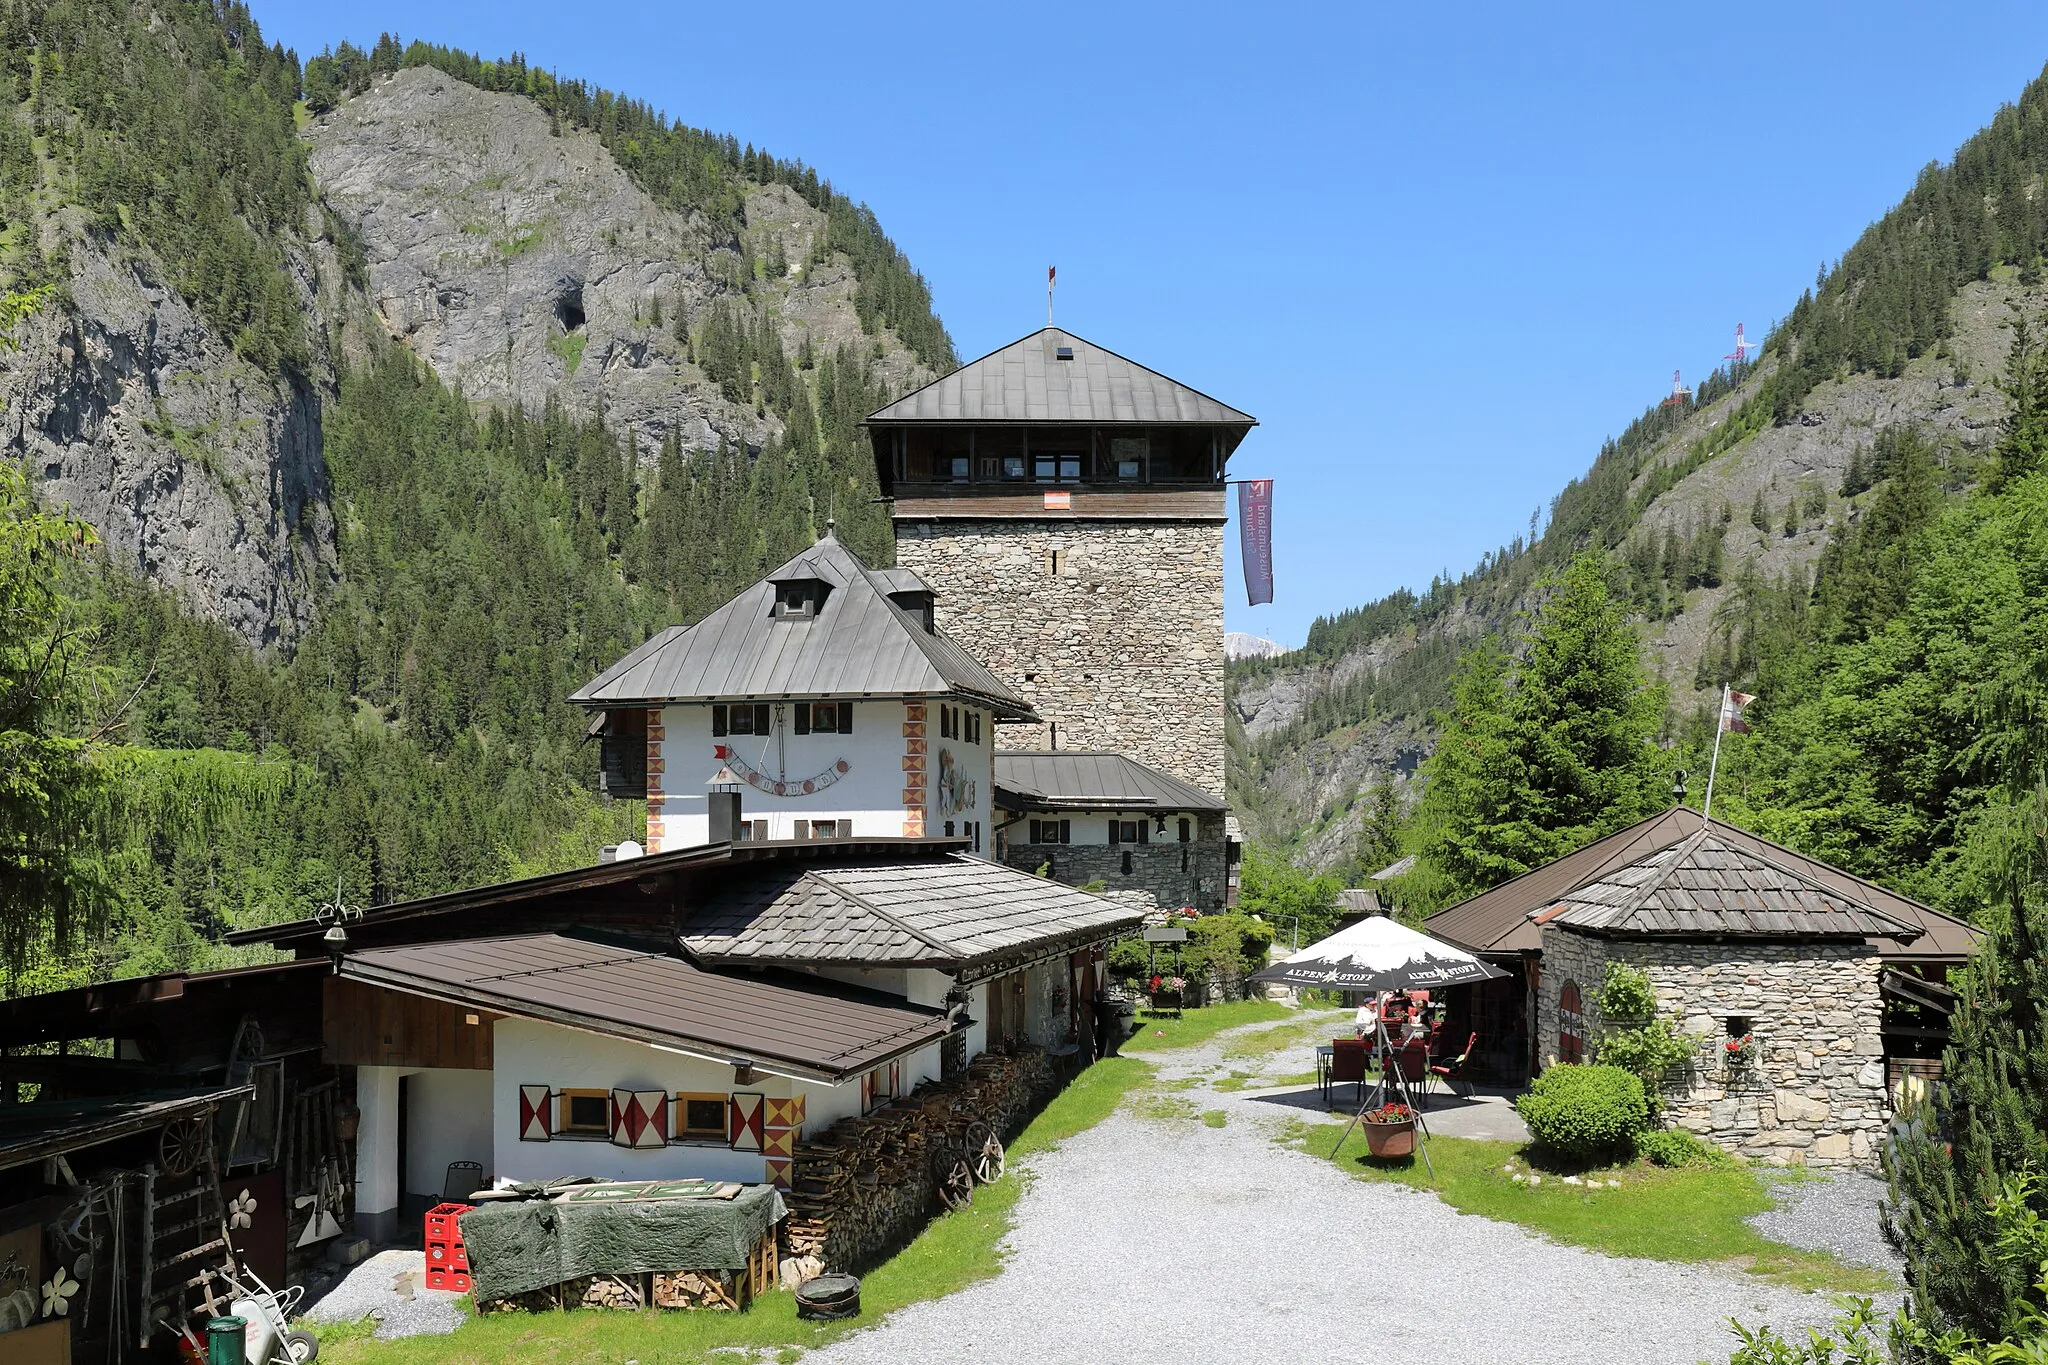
x=1720, y=725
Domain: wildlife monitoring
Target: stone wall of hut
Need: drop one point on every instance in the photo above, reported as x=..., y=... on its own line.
x=1815, y=1093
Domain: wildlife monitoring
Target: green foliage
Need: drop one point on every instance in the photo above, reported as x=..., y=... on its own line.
x=1228, y=948
x=1585, y=1113
x=1632, y=1035
x=51, y=766
x=1285, y=897
x=1542, y=755
x=1677, y=1149
x=171, y=126
x=1128, y=959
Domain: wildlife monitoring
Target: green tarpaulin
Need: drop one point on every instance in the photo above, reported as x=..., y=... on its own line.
x=519, y=1245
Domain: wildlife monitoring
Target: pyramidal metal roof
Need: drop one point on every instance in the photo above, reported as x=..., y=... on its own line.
x=859, y=644
x=1706, y=886
x=1080, y=779
x=1029, y=381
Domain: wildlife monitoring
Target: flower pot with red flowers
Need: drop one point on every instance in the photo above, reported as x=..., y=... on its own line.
x=1389, y=1130
x=1741, y=1053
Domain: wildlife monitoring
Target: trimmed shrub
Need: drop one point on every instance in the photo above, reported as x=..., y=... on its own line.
x=1676, y=1147
x=1585, y=1112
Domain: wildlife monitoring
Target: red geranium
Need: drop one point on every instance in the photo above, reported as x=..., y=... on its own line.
x=1390, y=1113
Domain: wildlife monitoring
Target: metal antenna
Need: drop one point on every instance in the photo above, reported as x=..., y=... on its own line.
x=1051, y=272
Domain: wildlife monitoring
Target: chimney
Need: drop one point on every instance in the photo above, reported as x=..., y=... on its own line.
x=724, y=808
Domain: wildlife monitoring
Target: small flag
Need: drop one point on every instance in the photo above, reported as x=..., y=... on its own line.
x=1051, y=274
x=1731, y=712
x=1255, y=538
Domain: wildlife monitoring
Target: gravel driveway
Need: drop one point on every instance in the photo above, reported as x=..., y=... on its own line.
x=1143, y=1241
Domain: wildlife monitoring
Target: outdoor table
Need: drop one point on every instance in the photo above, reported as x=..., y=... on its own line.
x=1324, y=1053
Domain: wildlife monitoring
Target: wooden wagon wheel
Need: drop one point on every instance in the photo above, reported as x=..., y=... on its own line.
x=181, y=1146
x=954, y=1179
x=989, y=1163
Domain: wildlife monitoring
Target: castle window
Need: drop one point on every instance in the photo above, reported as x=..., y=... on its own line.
x=1052, y=832
x=1129, y=832
x=1056, y=466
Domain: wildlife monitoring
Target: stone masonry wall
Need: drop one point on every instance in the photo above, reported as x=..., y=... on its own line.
x=1168, y=874
x=1119, y=640
x=1815, y=1095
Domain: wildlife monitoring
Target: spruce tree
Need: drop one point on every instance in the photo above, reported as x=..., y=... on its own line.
x=1759, y=516
x=1544, y=756
x=2023, y=438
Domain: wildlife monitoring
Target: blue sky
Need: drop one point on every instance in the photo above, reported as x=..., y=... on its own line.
x=1439, y=251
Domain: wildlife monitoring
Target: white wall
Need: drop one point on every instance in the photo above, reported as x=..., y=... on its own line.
x=529, y=1052
x=448, y=1113
x=870, y=794
x=1093, y=827
x=377, y=1139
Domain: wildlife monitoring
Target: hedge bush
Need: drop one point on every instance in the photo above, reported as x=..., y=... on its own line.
x=1677, y=1148
x=1585, y=1112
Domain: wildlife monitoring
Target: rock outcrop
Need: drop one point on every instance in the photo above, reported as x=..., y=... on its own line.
x=522, y=262
x=200, y=472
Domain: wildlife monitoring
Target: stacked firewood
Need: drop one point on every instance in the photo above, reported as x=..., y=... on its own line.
x=864, y=1186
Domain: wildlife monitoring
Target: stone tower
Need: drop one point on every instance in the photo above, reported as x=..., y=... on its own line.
x=1066, y=505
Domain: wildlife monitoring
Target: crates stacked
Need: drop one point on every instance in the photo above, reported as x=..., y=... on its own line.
x=447, y=1261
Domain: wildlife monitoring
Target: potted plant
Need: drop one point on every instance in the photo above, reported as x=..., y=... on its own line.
x=1390, y=1130
x=1741, y=1052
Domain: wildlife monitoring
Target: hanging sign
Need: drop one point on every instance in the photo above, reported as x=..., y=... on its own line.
x=1255, y=538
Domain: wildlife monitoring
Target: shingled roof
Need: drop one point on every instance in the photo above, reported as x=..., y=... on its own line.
x=785, y=1023
x=944, y=912
x=1077, y=779
x=1027, y=381
x=860, y=643
x=1498, y=922
x=1705, y=887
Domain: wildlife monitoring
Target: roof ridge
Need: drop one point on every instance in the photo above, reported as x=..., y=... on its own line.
x=813, y=874
x=1673, y=855
x=1796, y=875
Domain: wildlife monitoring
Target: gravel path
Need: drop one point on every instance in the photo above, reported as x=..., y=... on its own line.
x=1836, y=1213
x=387, y=1287
x=1142, y=1241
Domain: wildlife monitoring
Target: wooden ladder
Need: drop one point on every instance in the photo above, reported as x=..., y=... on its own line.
x=185, y=1244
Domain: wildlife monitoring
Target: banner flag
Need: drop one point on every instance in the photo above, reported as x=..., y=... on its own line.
x=1731, y=712
x=1255, y=538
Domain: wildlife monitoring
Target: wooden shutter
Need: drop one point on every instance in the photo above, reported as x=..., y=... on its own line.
x=718, y=719
x=622, y=754
x=761, y=718
x=1115, y=832
x=801, y=713
x=846, y=718
x=534, y=1108
x=744, y=1121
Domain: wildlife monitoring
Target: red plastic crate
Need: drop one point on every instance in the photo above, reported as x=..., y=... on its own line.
x=441, y=1256
x=457, y=1280
x=441, y=1225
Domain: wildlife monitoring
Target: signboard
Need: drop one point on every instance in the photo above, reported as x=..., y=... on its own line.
x=1059, y=500
x=1255, y=538
x=1166, y=934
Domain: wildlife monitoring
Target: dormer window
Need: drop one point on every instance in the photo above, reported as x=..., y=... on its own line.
x=799, y=598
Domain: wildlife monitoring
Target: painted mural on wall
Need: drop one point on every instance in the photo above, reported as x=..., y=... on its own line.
x=738, y=769
x=957, y=791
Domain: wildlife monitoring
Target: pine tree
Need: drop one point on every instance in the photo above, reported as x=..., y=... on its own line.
x=1546, y=755
x=2023, y=439
x=1791, y=517
x=1759, y=517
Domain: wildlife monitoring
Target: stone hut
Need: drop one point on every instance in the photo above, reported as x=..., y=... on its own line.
x=1739, y=946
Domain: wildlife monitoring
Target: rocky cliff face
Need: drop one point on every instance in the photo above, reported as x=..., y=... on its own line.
x=522, y=262
x=199, y=471
x=1306, y=795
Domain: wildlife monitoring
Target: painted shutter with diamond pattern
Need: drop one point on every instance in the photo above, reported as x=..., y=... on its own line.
x=534, y=1106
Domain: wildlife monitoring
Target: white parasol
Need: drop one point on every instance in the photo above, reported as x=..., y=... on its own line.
x=1379, y=954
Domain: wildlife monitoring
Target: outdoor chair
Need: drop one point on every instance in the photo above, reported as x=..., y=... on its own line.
x=464, y=1178
x=1411, y=1062
x=1347, y=1063
x=1452, y=1070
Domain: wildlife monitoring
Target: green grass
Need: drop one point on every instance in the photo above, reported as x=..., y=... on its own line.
x=1657, y=1214
x=1214, y=1118
x=954, y=1251
x=570, y=348
x=1195, y=1027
